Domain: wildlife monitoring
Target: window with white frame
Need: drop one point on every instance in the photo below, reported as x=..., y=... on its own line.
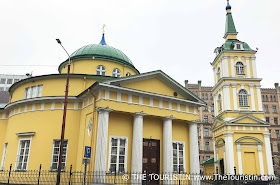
x=220, y=102
x=101, y=70
x=205, y=119
x=243, y=98
x=23, y=154
x=178, y=156
x=117, y=154
x=33, y=91
x=9, y=81
x=239, y=68
x=116, y=72
x=2, y=81
x=238, y=46
x=4, y=156
x=55, y=155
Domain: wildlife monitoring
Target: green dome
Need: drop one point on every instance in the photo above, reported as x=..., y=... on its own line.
x=100, y=51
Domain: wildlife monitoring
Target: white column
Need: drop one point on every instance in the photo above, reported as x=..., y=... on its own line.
x=232, y=66
x=167, y=145
x=252, y=92
x=137, y=143
x=194, y=154
x=229, y=152
x=259, y=97
x=101, y=142
x=248, y=66
x=234, y=96
x=240, y=169
x=225, y=66
x=215, y=75
x=261, y=159
x=254, y=66
x=270, y=170
x=227, y=97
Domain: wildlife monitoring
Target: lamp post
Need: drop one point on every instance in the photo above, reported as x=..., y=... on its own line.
x=64, y=117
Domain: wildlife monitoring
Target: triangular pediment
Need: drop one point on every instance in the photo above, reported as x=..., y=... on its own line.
x=247, y=119
x=156, y=82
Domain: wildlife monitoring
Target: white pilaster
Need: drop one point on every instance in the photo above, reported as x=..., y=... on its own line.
x=270, y=170
x=227, y=97
x=229, y=152
x=167, y=145
x=252, y=92
x=261, y=159
x=259, y=97
x=214, y=72
x=194, y=154
x=239, y=158
x=232, y=66
x=248, y=67
x=254, y=66
x=102, y=140
x=137, y=143
x=225, y=66
x=234, y=96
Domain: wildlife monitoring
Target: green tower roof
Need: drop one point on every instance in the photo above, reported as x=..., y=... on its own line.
x=230, y=27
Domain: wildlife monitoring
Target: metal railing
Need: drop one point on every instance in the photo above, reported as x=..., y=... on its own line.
x=46, y=177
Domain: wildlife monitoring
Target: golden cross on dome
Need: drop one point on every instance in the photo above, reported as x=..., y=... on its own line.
x=103, y=28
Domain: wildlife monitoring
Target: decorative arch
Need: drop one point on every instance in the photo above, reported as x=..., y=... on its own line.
x=218, y=140
x=238, y=141
x=243, y=88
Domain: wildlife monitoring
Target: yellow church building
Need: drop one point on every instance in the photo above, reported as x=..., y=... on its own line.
x=242, y=139
x=133, y=121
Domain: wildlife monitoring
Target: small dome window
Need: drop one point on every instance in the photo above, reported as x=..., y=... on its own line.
x=116, y=72
x=101, y=70
x=128, y=74
x=238, y=46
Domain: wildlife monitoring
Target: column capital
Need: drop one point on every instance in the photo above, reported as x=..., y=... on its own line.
x=247, y=57
x=253, y=58
x=234, y=85
x=231, y=57
x=266, y=135
x=238, y=148
x=139, y=114
x=168, y=118
x=193, y=123
x=224, y=57
x=260, y=148
x=258, y=86
x=251, y=85
x=228, y=134
x=102, y=109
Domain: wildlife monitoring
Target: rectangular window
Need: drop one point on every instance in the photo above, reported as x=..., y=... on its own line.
x=276, y=120
x=9, y=81
x=271, y=145
x=212, y=107
x=207, y=147
x=278, y=147
x=277, y=133
x=23, y=154
x=4, y=156
x=197, y=131
x=206, y=119
x=205, y=108
x=2, y=81
x=211, y=97
x=267, y=119
x=238, y=46
x=274, y=109
x=55, y=155
x=265, y=108
x=206, y=132
x=33, y=92
x=118, y=154
x=178, y=156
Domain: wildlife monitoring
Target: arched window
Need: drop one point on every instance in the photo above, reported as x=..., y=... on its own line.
x=274, y=98
x=101, y=70
x=239, y=68
x=218, y=73
x=271, y=98
x=220, y=102
x=206, y=96
x=266, y=98
x=203, y=96
x=128, y=74
x=243, y=98
x=263, y=98
x=116, y=72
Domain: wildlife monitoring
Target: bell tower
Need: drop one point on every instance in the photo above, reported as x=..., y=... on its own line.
x=242, y=139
